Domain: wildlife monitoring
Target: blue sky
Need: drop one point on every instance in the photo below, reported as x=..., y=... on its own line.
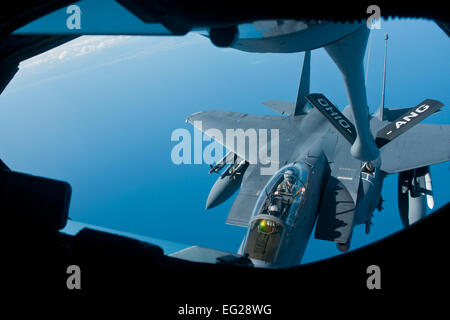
x=98, y=112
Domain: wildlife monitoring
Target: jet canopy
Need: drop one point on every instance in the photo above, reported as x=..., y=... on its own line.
x=276, y=208
x=283, y=194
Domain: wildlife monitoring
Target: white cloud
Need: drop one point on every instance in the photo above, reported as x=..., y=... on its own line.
x=62, y=54
x=75, y=48
x=82, y=46
x=91, y=44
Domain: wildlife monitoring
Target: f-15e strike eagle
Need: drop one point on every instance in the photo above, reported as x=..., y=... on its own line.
x=331, y=168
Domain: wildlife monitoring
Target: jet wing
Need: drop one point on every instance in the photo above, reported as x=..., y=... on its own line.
x=272, y=133
x=207, y=255
x=422, y=145
x=199, y=254
x=252, y=184
x=216, y=123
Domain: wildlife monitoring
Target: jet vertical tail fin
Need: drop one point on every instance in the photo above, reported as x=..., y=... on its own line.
x=303, y=88
x=333, y=115
x=406, y=121
x=300, y=106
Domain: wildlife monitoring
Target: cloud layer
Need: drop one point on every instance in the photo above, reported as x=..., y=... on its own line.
x=73, y=49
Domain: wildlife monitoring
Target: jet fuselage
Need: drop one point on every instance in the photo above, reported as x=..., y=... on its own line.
x=281, y=225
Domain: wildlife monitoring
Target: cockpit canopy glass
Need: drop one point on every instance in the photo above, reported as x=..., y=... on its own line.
x=282, y=196
x=276, y=208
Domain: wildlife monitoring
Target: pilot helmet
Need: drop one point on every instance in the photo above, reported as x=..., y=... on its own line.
x=289, y=175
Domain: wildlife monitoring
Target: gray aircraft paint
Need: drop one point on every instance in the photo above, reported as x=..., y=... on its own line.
x=312, y=134
x=342, y=193
x=287, y=40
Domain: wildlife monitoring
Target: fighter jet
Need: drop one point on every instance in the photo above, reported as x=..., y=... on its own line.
x=320, y=183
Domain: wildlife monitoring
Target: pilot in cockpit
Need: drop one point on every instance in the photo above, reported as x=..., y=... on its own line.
x=287, y=186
